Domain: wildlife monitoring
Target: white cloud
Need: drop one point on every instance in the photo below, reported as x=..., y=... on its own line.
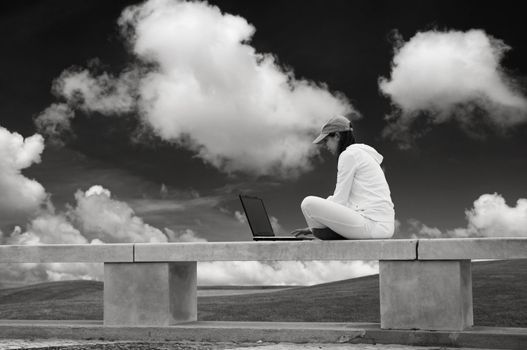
x=173, y=203
x=417, y=229
x=112, y=221
x=397, y=227
x=281, y=272
x=490, y=216
x=47, y=229
x=201, y=85
x=98, y=190
x=55, y=123
x=451, y=75
x=103, y=94
x=242, y=219
x=238, y=215
x=163, y=192
x=74, y=271
x=186, y=235
x=21, y=197
x=30, y=273
x=277, y=228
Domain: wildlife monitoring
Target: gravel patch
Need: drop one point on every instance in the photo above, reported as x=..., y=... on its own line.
x=61, y=344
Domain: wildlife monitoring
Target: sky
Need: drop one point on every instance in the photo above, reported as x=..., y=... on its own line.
x=142, y=121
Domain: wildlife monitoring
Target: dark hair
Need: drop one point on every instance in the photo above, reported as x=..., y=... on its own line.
x=346, y=139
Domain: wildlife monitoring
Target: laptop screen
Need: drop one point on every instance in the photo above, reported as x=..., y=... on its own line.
x=257, y=216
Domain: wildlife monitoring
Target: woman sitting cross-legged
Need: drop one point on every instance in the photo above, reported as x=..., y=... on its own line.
x=361, y=206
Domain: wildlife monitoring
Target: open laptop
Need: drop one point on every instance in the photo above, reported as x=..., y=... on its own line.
x=259, y=221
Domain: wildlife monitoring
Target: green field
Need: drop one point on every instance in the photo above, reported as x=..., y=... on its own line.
x=499, y=289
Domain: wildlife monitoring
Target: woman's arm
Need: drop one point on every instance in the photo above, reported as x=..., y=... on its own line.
x=346, y=168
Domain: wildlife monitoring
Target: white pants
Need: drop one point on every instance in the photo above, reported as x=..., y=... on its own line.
x=322, y=213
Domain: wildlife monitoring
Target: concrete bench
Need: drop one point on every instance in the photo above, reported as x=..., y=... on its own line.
x=424, y=284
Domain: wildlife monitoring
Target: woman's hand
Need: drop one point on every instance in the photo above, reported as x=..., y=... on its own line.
x=302, y=232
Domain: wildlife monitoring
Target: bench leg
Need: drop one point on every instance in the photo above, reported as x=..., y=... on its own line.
x=150, y=294
x=431, y=295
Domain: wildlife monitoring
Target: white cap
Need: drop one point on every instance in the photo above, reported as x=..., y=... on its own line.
x=335, y=124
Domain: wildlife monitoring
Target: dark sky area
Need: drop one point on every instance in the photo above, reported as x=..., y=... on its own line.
x=346, y=44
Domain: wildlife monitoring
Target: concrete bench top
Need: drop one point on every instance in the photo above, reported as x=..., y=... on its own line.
x=394, y=249
x=472, y=248
x=67, y=253
x=389, y=249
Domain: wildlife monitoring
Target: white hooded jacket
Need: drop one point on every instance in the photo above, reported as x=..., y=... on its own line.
x=361, y=184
